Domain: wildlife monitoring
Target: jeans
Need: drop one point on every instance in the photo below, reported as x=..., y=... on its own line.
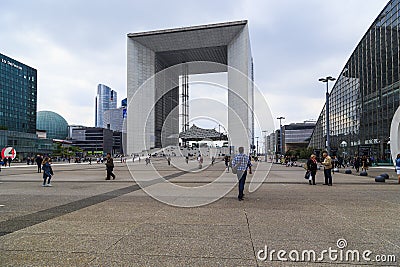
x=328, y=176
x=39, y=168
x=241, y=175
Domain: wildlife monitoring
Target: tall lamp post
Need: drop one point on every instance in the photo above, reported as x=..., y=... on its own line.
x=328, y=137
x=280, y=133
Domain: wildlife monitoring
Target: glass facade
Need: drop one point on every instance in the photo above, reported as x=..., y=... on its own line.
x=18, y=96
x=26, y=144
x=105, y=99
x=366, y=93
x=56, y=127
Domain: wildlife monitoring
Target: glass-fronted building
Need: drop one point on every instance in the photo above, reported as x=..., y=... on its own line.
x=366, y=94
x=18, y=96
x=105, y=99
x=55, y=125
x=18, y=99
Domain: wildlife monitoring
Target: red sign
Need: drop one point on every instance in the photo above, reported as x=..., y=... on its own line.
x=8, y=152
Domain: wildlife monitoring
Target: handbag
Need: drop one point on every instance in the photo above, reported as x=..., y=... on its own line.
x=235, y=168
x=307, y=175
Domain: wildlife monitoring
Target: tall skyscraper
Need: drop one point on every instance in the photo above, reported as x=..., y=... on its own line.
x=18, y=96
x=106, y=99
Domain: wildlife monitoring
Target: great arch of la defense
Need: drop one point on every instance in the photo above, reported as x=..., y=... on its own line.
x=148, y=53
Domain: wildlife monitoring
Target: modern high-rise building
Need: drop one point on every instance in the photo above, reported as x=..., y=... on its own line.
x=18, y=96
x=366, y=94
x=113, y=119
x=106, y=99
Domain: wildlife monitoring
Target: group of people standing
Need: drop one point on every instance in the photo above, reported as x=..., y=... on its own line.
x=312, y=167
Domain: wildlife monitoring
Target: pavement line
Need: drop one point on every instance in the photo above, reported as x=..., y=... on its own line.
x=18, y=223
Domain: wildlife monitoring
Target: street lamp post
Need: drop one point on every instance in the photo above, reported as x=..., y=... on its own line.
x=328, y=138
x=257, y=146
x=280, y=133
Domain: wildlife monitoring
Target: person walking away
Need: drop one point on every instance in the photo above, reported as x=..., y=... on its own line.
x=240, y=162
x=226, y=159
x=39, y=161
x=109, y=167
x=200, y=160
x=47, y=172
x=398, y=167
x=364, y=163
x=356, y=163
x=327, y=168
x=312, y=168
x=249, y=165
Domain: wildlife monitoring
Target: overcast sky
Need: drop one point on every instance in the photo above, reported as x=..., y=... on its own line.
x=77, y=44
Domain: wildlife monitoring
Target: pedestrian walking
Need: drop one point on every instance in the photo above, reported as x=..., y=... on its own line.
x=200, y=160
x=364, y=163
x=90, y=161
x=187, y=159
x=47, y=172
x=249, y=165
x=169, y=160
x=109, y=167
x=227, y=162
x=312, y=168
x=356, y=163
x=39, y=161
x=240, y=163
x=327, y=168
x=398, y=167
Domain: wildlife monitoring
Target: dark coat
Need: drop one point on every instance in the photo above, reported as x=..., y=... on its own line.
x=110, y=163
x=311, y=165
x=47, y=170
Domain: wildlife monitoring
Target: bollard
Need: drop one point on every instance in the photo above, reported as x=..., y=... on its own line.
x=385, y=175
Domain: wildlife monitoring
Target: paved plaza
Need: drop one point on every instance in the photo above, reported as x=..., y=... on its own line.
x=84, y=220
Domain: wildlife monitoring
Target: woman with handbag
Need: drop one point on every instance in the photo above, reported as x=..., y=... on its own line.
x=312, y=168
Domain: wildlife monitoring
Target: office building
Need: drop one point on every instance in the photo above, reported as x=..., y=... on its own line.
x=18, y=98
x=55, y=125
x=366, y=93
x=106, y=99
x=156, y=60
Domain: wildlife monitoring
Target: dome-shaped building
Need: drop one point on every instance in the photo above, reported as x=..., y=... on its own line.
x=55, y=125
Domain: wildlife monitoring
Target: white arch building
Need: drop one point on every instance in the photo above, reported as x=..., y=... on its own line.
x=152, y=111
